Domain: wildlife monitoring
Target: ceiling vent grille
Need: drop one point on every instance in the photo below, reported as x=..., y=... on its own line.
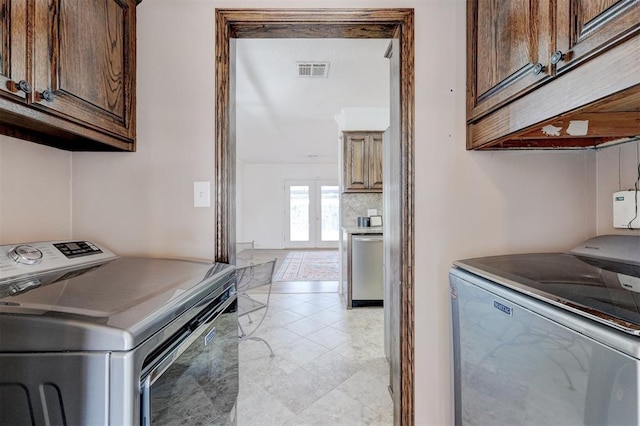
x=313, y=69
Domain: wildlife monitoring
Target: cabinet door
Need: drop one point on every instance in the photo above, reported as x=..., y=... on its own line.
x=375, y=161
x=589, y=27
x=509, y=45
x=13, y=48
x=355, y=162
x=85, y=62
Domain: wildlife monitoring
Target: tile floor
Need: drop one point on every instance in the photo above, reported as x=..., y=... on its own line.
x=329, y=366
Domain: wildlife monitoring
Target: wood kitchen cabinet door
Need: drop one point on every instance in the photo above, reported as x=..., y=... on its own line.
x=589, y=27
x=355, y=161
x=362, y=162
x=14, y=59
x=508, y=43
x=375, y=161
x=85, y=62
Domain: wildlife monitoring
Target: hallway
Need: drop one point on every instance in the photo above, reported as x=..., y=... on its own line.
x=329, y=366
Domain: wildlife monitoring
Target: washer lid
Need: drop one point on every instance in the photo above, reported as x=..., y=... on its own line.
x=113, y=306
x=598, y=288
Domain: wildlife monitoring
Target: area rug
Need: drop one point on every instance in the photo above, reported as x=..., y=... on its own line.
x=309, y=266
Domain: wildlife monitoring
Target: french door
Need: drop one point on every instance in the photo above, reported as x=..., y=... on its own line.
x=312, y=213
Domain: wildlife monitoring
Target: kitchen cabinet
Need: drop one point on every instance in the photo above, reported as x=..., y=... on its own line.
x=68, y=73
x=511, y=41
x=13, y=49
x=362, y=161
x=586, y=28
x=552, y=74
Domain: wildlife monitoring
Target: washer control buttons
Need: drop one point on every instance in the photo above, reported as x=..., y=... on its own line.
x=74, y=249
x=25, y=254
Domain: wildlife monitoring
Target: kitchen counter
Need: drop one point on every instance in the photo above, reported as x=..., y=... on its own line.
x=351, y=230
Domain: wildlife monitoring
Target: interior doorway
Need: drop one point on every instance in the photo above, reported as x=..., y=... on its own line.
x=396, y=24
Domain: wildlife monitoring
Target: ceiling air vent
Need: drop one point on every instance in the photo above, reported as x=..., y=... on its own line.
x=313, y=69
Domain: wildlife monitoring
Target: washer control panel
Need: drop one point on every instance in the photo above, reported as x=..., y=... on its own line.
x=77, y=248
x=39, y=257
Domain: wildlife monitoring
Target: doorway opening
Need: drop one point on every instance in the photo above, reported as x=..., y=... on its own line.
x=396, y=24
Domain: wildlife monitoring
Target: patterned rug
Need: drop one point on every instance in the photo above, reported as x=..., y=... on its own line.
x=309, y=266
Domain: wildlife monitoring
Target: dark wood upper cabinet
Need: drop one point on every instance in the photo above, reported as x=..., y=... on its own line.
x=14, y=50
x=362, y=161
x=552, y=74
x=79, y=60
x=588, y=27
x=510, y=44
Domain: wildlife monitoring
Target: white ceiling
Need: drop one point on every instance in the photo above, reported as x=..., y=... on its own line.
x=281, y=117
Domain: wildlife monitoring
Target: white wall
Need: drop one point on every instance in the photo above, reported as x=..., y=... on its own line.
x=363, y=118
x=617, y=170
x=35, y=192
x=142, y=203
x=263, y=199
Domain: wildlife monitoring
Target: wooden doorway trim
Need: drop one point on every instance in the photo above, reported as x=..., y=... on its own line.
x=321, y=23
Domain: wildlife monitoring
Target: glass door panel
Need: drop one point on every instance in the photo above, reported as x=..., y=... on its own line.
x=312, y=214
x=299, y=204
x=329, y=222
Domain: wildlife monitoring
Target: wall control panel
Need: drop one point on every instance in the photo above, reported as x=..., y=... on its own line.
x=626, y=209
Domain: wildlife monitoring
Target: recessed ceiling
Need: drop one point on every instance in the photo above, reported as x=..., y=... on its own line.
x=281, y=117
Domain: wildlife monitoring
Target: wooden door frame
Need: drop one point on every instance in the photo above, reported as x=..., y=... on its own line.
x=321, y=23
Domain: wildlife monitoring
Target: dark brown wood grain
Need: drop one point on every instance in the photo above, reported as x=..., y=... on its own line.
x=83, y=54
x=587, y=27
x=14, y=48
x=506, y=40
x=600, y=40
x=375, y=178
x=323, y=23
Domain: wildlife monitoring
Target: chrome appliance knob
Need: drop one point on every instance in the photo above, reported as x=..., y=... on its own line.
x=557, y=57
x=27, y=255
x=24, y=86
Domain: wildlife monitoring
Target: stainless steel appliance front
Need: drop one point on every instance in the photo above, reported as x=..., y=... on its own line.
x=546, y=339
x=81, y=329
x=194, y=379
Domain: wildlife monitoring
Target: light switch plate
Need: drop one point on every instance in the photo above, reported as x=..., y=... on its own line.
x=201, y=194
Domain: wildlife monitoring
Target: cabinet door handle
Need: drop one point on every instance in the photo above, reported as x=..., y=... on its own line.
x=557, y=57
x=24, y=86
x=537, y=69
x=47, y=95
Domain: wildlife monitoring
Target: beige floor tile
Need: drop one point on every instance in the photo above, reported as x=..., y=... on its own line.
x=333, y=367
x=368, y=389
x=263, y=369
x=258, y=408
x=298, y=389
x=335, y=409
x=328, y=317
x=280, y=319
x=304, y=326
x=306, y=309
x=329, y=366
x=302, y=351
x=328, y=337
